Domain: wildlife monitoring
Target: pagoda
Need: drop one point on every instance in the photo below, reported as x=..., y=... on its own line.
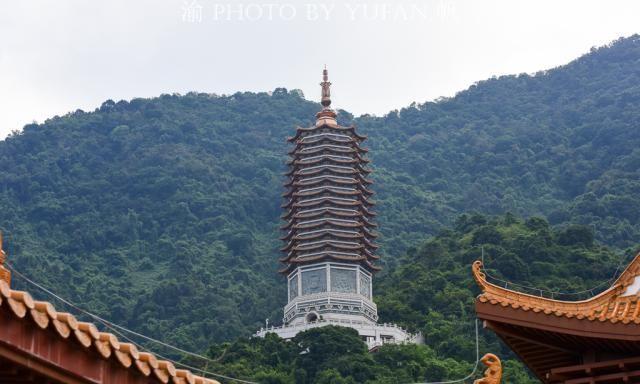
x=329, y=232
x=588, y=341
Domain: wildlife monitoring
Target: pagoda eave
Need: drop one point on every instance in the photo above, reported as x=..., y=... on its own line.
x=326, y=123
x=301, y=146
x=326, y=148
x=299, y=158
x=323, y=233
x=291, y=264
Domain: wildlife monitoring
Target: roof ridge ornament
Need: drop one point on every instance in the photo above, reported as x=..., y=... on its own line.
x=493, y=373
x=5, y=274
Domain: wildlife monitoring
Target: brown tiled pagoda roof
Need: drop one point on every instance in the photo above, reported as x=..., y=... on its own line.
x=324, y=140
x=327, y=232
x=332, y=214
x=325, y=123
x=327, y=155
x=332, y=189
x=330, y=141
x=333, y=158
x=323, y=178
x=292, y=235
x=328, y=148
x=297, y=166
x=362, y=201
x=358, y=181
x=352, y=204
x=308, y=172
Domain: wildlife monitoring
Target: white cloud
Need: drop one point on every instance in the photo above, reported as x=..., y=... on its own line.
x=59, y=56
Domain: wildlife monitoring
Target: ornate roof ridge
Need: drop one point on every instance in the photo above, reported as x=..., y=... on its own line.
x=492, y=289
x=613, y=304
x=86, y=335
x=106, y=345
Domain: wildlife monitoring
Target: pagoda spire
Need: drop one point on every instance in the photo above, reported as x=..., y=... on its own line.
x=326, y=115
x=326, y=89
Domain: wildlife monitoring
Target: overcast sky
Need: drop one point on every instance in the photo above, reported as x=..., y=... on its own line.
x=58, y=56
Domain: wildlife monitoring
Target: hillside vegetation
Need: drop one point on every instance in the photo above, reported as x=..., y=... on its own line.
x=161, y=214
x=433, y=292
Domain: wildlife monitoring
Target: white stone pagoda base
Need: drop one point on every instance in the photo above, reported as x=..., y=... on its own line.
x=373, y=334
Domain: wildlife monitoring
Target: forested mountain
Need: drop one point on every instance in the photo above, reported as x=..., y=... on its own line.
x=433, y=292
x=162, y=214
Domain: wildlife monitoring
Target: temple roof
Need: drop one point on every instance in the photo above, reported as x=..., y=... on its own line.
x=18, y=310
x=619, y=303
x=85, y=336
x=583, y=341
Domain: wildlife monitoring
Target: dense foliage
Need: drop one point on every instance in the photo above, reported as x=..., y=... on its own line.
x=161, y=214
x=330, y=355
x=561, y=144
x=433, y=292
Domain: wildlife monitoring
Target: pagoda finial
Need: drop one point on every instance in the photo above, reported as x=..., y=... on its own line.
x=326, y=114
x=5, y=274
x=326, y=89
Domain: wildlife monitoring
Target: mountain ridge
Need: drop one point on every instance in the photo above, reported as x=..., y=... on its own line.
x=162, y=214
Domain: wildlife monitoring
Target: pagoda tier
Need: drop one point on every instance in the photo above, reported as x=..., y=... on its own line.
x=329, y=185
x=345, y=151
x=311, y=177
x=327, y=199
x=330, y=163
x=324, y=141
x=330, y=202
x=318, y=214
x=327, y=121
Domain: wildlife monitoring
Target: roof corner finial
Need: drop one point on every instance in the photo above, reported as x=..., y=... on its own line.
x=326, y=91
x=3, y=255
x=493, y=373
x=5, y=274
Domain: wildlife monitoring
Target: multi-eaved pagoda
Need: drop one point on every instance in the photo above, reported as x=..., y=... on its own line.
x=330, y=250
